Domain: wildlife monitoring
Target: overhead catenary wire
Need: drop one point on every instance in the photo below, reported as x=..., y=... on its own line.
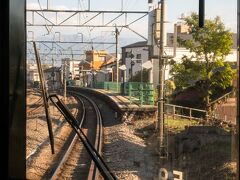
x=47, y=27
x=81, y=5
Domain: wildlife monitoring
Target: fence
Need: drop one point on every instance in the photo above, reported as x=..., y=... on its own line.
x=222, y=112
x=140, y=93
x=221, y=99
x=185, y=112
x=110, y=86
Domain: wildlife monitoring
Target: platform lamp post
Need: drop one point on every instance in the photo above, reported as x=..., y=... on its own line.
x=64, y=81
x=66, y=75
x=112, y=70
x=93, y=75
x=117, y=59
x=132, y=63
x=123, y=68
x=53, y=71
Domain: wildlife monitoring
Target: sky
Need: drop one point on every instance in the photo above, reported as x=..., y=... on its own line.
x=226, y=9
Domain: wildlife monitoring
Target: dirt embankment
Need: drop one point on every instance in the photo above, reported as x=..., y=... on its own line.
x=200, y=152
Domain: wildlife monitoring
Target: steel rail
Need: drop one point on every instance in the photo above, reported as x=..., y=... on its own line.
x=36, y=102
x=96, y=157
x=93, y=173
x=57, y=171
x=35, y=109
x=41, y=145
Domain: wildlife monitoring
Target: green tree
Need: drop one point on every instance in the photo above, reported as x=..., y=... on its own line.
x=221, y=76
x=185, y=74
x=209, y=44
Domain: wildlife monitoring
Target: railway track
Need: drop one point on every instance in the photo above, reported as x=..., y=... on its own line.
x=36, y=151
x=58, y=171
x=85, y=161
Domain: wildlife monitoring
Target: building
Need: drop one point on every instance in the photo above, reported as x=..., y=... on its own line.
x=108, y=70
x=72, y=68
x=96, y=58
x=182, y=28
x=141, y=51
x=52, y=77
x=140, y=54
x=32, y=73
x=90, y=66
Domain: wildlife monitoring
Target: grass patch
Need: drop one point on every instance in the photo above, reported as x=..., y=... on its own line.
x=177, y=125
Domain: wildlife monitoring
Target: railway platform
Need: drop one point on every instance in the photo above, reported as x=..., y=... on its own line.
x=118, y=101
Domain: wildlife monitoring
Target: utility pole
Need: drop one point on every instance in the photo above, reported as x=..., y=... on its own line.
x=112, y=74
x=65, y=82
x=81, y=75
x=93, y=78
x=62, y=73
x=117, y=63
x=53, y=74
x=132, y=64
x=162, y=147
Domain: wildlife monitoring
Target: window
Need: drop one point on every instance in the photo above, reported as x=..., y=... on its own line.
x=139, y=56
x=139, y=61
x=129, y=54
x=102, y=58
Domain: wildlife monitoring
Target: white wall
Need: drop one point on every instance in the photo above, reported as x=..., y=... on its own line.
x=180, y=52
x=137, y=66
x=72, y=66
